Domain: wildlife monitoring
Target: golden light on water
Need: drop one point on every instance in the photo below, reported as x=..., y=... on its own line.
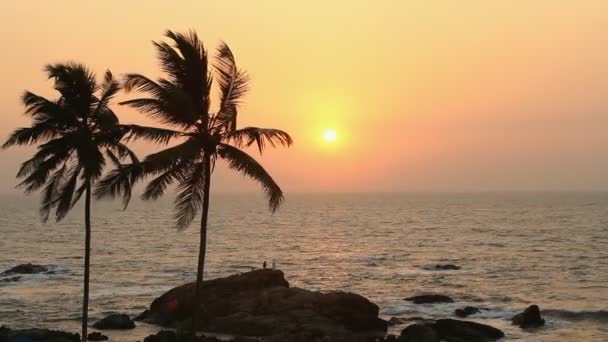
x=330, y=135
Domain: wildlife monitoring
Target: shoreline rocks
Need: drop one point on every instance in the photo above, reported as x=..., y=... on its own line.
x=450, y=330
x=115, y=322
x=529, y=318
x=429, y=299
x=47, y=335
x=261, y=303
x=466, y=311
x=28, y=268
x=446, y=267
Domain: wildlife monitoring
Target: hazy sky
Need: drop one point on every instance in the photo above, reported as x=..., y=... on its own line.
x=425, y=95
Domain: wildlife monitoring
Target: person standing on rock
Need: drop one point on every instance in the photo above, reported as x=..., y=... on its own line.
x=264, y=265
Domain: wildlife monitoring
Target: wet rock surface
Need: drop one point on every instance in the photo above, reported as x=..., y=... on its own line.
x=115, y=322
x=429, y=299
x=261, y=303
x=529, y=318
x=28, y=268
x=30, y=335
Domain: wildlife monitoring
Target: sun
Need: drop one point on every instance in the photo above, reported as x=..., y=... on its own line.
x=330, y=135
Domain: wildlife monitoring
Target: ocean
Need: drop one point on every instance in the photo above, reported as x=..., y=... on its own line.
x=514, y=249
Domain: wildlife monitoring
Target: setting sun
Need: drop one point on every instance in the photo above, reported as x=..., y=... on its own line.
x=330, y=135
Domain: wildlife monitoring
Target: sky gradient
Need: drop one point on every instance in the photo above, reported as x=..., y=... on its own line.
x=424, y=95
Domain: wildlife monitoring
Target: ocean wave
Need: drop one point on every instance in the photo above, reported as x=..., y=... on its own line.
x=582, y=315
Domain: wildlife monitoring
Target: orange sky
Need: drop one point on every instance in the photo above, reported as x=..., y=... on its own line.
x=425, y=95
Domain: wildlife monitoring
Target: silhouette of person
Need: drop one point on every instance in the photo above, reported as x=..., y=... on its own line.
x=264, y=265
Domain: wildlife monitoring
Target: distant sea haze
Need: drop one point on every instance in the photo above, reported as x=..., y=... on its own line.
x=514, y=249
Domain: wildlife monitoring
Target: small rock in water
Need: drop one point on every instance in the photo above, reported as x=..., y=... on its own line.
x=115, y=322
x=28, y=268
x=10, y=280
x=446, y=267
x=429, y=298
x=529, y=318
x=96, y=336
x=142, y=316
x=467, y=311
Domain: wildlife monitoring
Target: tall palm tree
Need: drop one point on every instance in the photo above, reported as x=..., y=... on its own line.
x=182, y=100
x=75, y=133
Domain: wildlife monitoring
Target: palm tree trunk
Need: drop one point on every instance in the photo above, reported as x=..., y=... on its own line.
x=87, y=261
x=203, y=243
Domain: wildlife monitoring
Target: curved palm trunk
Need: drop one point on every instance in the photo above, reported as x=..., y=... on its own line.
x=87, y=261
x=203, y=244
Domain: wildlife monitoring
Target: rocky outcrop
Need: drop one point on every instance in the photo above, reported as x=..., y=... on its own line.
x=96, y=336
x=429, y=298
x=115, y=322
x=450, y=330
x=261, y=303
x=26, y=269
x=529, y=318
x=466, y=311
x=31, y=335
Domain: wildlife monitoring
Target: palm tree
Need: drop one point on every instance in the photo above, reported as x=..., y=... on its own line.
x=73, y=133
x=182, y=101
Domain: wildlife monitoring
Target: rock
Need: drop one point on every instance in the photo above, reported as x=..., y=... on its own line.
x=455, y=330
x=261, y=303
x=419, y=333
x=115, y=322
x=466, y=311
x=529, y=318
x=10, y=279
x=446, y=267
x=429, y=298
x=47, y=335
x=96, y=336
x=172, y=336
x=25, y=269
x=142, y=316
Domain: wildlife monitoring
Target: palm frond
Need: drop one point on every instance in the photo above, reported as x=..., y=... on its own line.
x=152, y=134
x=244, y=163
x=156, y=188
x=109, y=88
x=31, y=135
x=233, y=83
x=260, y=136
x=65, y=194
x=50, y=191
x=76, y=84
x=189, y=199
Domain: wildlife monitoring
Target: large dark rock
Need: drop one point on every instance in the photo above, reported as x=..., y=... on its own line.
x=96, y=336
x=30, y=335
x=419, y=333
x=529, y=318
x=115, y=322
x=26, y=269
x=172, y=336
x=429, y=298
x=466, y=311
x=261, y=303
x=450, y=330
x=455, y=330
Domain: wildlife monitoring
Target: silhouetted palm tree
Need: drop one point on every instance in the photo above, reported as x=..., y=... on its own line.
x=73, y=134
x=182, y=100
